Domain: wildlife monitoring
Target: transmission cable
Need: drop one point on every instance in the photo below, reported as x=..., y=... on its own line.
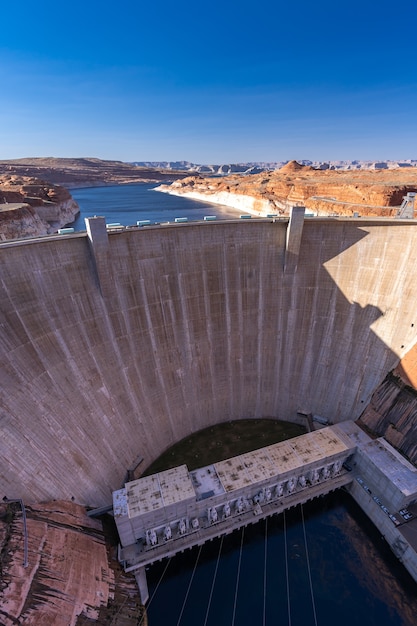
x=155, y=590
x=265, y=561
x=286, y=571
x=189, y=586
x=308, y=567
x=237, y=577
x=214, y=580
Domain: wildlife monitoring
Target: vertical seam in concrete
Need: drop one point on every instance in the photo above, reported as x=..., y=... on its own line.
x=260, y=335
x=190, y=386
x=143, y=400
x=209, y=331
x=278, y=348
x=241, y=349
x=228, y=329
x=156, y=353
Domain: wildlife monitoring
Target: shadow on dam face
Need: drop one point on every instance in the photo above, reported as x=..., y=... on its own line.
x=173, y=329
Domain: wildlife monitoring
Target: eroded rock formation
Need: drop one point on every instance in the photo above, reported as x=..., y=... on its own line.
x=69, y=579
x=324, y=192
x=33, y=207
x=392, y=413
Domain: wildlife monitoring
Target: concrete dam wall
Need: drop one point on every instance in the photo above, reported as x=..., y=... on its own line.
x=120, y=348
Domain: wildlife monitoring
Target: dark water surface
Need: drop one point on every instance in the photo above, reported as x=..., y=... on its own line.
x=129, y=203
x=356, y=580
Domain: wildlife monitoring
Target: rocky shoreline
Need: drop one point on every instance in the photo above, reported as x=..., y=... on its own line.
x=322, y=192
x=31, y=207
x=248, y=204
x=34, y=196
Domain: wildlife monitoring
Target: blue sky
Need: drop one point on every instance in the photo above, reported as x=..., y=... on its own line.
x=209, y=82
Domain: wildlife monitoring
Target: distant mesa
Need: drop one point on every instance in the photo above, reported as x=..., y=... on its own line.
x=256, y=167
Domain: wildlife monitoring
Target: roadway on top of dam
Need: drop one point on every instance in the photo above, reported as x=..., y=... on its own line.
x=269, y=219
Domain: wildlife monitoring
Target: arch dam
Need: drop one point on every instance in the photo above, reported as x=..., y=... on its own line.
x=116, y=345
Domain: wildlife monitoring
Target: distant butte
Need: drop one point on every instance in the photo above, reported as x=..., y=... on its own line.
x=295, y=166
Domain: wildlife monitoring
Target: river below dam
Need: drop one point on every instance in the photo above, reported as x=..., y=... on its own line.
x=323, y=565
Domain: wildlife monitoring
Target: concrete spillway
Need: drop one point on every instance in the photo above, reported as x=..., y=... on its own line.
x=117, y=348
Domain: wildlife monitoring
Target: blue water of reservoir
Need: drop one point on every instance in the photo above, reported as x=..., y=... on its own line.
x=128, y=204
x=355, y=579
x=347, y=576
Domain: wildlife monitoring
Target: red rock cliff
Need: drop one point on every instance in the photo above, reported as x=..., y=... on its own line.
x=32, y=207
x=373, y=193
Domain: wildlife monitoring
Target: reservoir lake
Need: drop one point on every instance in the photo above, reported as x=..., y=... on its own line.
x=128, y=204
x=323, y=565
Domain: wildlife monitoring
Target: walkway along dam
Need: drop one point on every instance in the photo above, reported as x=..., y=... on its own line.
x=116, y=345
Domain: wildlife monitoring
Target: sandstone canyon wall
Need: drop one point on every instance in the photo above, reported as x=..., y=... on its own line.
x=30, y=207
x=369, y=193
x=69, y=579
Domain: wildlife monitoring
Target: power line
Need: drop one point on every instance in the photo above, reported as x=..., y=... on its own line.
x=286, y=572
x=265, y=560
x=308, y=567
x=214, y=579
x=189, y=586
x=155, y=590
x=237, y=578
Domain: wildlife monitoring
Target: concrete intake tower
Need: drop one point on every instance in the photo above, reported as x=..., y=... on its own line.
x=116, y=345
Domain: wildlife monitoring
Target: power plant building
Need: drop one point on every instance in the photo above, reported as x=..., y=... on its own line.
x=176, y=502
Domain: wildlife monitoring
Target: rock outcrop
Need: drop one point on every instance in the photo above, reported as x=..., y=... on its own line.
x=392, y=411
x=32, y=207
x=322, y=192
x=392, y=414
x=69, y=578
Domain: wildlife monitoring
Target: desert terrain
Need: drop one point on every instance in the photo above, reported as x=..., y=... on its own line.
x=79, y=172
x=34, y=196
x=35, y=201
x=322, y=192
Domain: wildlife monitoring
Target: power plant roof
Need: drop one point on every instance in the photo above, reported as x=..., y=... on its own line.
x=159, y=490
x=175, y=485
